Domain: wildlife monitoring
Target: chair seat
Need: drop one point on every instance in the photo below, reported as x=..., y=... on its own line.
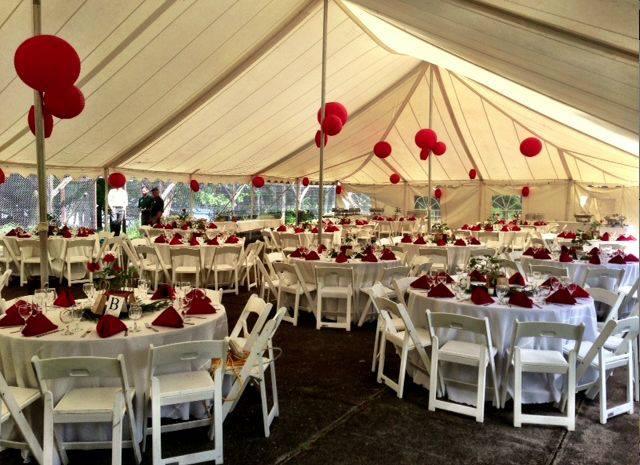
x=613, y=342
x=187, y=269
x=399, y=324
x=294, y=289
x=463, y=349
x=532, y=358
x=31, y=260
x=423, y=337
x=185, y=383
x=336, y=291
x=89, y=400
x=78, y=259
x=222, y=267
x=585, y=346
x=23, y=397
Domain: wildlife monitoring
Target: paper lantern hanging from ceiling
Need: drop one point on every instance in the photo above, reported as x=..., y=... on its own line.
x=426, y=138
x=3, y=178
x=530, y=147
x=116, y=180
x=195, y=185
x=326, y=139
x=437, y=193
x=46, y=116
x=334, y=108
x=440, y=148
x=46, y=62
x=332, y=125
x=525, y=191
x=257, y=181
x=382, y=149
x=305, y=181
x=424, y=153
x=472, y=173
x=394, y=178
x=64, y=103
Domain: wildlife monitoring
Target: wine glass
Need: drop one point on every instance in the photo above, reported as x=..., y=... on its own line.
x=90, y=291
x=40, y=299
x=537, y=278
x=66, y=317
x=501, y=292
x=51, y=297
x=143, y=288
x=135, y=313
x=76, y=314
x=24, y=310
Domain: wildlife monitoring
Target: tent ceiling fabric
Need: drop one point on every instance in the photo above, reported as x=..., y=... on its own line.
x=222, y=90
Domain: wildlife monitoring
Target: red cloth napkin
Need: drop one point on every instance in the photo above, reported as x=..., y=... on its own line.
x=161, y=239
x=465, y=227
x=475, y=275
x=198, y=294
x=342, y=258
x=474, y=241
x=38, y=324
x=12, y=233
x=184, y=227
x=488, y=228
x=475, y=228
x=622, y=237
x=64, y=298
x=504, y=229
x=566, y=258
x=449, y=279
x=594, y=251
x=296, y=253
x=441, y=243
x=605, y=237
x=282, y=228
x=440, y=291
x=517, y=278
x=12, y=316
x=562, y=235
x=200, y=307
x=387, y=254
x=232, y=239
x=321, y=248
x=561, y=296
x=169, y=318
x=298, y=230
x=67, y=234
x=213, y=241
x=516, y=228
x=594, y=260
x=420, y=241
x=158, y=226
x=168, y=226
x=314, y=230
x=617, y=260
x=520, y=299
x=580, y=293
x=369, y=257
x=332, y=228
x=529, y=252
x=630, y=258
x=459, y=242
x=549, y=282
x=313, y=255
x=480, y=296
x=542, y=255
x=631, y=238
x=176, y=240
x=109, y=326
x=406, y=239
x=423, y=282
x=194, y=241
x=164, y=291
x=212, y=226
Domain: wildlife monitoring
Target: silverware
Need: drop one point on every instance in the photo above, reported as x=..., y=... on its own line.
x=86, y=333
x=47, y=333
x=187, y=323
x=148, y=326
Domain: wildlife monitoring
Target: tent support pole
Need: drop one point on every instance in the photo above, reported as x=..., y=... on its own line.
x=431, y=154
x=253, y=202
x=404, y=200
x=43, y=225
x=325, y=18
x=297, y=201
x=106, y=226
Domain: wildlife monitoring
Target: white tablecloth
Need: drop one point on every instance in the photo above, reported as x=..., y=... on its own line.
x=457, y=255
x=537, y=388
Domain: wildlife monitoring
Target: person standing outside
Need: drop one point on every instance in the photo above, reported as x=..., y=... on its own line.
x=118, y=199
x=157, y=207
x=144, y=205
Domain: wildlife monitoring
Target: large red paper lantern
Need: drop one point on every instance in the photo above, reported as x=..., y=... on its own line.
x=525, y=191
x=472, y=174
x=305, y=181
x=426, y=138
x=382, y=149
x=438, y=193
x=332, y=125
x=257, y=181
x=195, y=185
x=424, y=153
x=394, y=178
x=46, y=116
x=338, y=189
x=440, y=148
x=334, y=108
x=326, y=139
x=3, y=178
x=64, y=103
x=530, y=147
x=47, y=62
x=116, y=180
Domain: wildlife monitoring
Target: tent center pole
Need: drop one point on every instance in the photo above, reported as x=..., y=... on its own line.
x=106, y=226
x=323, y=83
x=430, y=154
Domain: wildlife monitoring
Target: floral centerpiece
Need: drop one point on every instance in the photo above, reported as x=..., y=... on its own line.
x=112, y=276
x=441, y=232
x=487, y=266
x=615, y=221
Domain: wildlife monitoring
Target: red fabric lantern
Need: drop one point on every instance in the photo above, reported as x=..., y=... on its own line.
x=332, y=125
x=440, y=148
x=116, y=180
x=47, y=62
x=438, y=193
x=338, y=189
x=394, y=178
x=426, y=138
x=525, y=191
x=305, y=182
x=334, y=108
x=64, y=103
x=3, y=178
x=48, y=121
x=195, y=185
x=382, y=149
x=472, y=174
x=530, y=147
x=326, y=139
x=424, y=153
x=257, y=181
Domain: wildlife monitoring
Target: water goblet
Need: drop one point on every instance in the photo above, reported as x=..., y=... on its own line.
x=501, y=292
x=135, y=313
x=537, y=278
x=90, y=291
x=76, y=313
x=24, y=310
x=66, y=317
x=40, y=299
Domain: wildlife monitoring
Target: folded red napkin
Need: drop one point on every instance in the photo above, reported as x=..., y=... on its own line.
x=617, y=260
x=109, y=325
x=321, y=248
x=474, y=241
x=168, y=226
x=594, y=260
x=213, y=241
x=542, y=255
x=200, y=307
x=476, y=228
x=594, y=251
x=420, y=241
x=341, y=258
x=516, y=228
x=176, y=240
x=504, y=229
x=549, y=282
x=459, y=242
x=520, y=299
x=566, y=258
x=232, y=239
x=406, y=239
x=296, y=253
x=440, y=291
x=158, y=226
x=441, y=243
x=282, y=228
x=164, y=291
x=212, y=226
x=298, y=230
x=83, y=234
x=621, y=237
x=332, y=228
x=38, y=324
x=561, y=296
x=194, y=241
x=605, y=237
x=449, y=279
x=64, y=298
x=11, y=316
x=170, y=318
x=314, y=230
x=631, y=238
x=313, y=255
x=529, y=252
x=184, y=227
x=161, y=239
x=369, y=257
x=12, y=233
x=198, y=294
x=476, y=276
x=580, y=293
x=66, y=234
x=562, y=235
x=517, y=279
x=423, y=282
x=488, y=228
x=480, y=296
x=387, y=254
x=630, y=258
x=464, y=227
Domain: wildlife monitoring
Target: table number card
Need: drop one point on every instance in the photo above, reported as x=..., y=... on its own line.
x=115, y=305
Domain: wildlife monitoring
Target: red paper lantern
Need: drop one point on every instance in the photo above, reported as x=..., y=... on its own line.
x=338, y=189
x=334, y=108
x=530, y=147
x=326, y=139
x=394, y=178
x=64, y=103
x=426, y=138
x=3, y=178
x=440, y=148
x=438, y=193
x=332, y=125
x=424, y=153
x=472, y=174
x=195, y=185
x=382, y=149
x=116, y=180
x=48, y=121
x=525, y=191
x=47, y=62
x=257, y=181
x=305, y=182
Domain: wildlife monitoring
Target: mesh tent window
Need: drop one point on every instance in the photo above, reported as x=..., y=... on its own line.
x=422, y=202
x=506, y=206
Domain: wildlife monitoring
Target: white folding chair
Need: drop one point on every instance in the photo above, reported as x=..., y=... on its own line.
x=291, y=282
x=334, y=283
x=607, y=278
x=269, y=243
x=185, y=261
x=87, y=404
x=511, y=266
x=251, y=254
x=150, y=262
x=609, y=303
x=268, y=282
x=77, y=251
x=29, y=258
x=9, y=259
x=226, y=259
x=532, y=360
x=555, y=271
x=420, y=265
x=375, y=291
x=290, y=241
x=386, y=277
x=406, y=341
x=13, y=400
x=191, y=384
x=401, y=286
x=480, y=355
x=439, y=257
x=243, y=337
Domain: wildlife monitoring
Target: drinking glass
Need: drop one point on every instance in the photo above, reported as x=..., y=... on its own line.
x=24, y=310
x=76, y=313
x=51, y=297
x=501, y=292
x=40, y=299
x=135, y=313
x=66, y=317
x=90, y=291
x=537, y=278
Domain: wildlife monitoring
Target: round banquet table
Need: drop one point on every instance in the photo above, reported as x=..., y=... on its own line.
x=537, y=388
x=16, y=352
x=628, y=246
x=457, y=255
x=578, y=270
x=309, y=238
